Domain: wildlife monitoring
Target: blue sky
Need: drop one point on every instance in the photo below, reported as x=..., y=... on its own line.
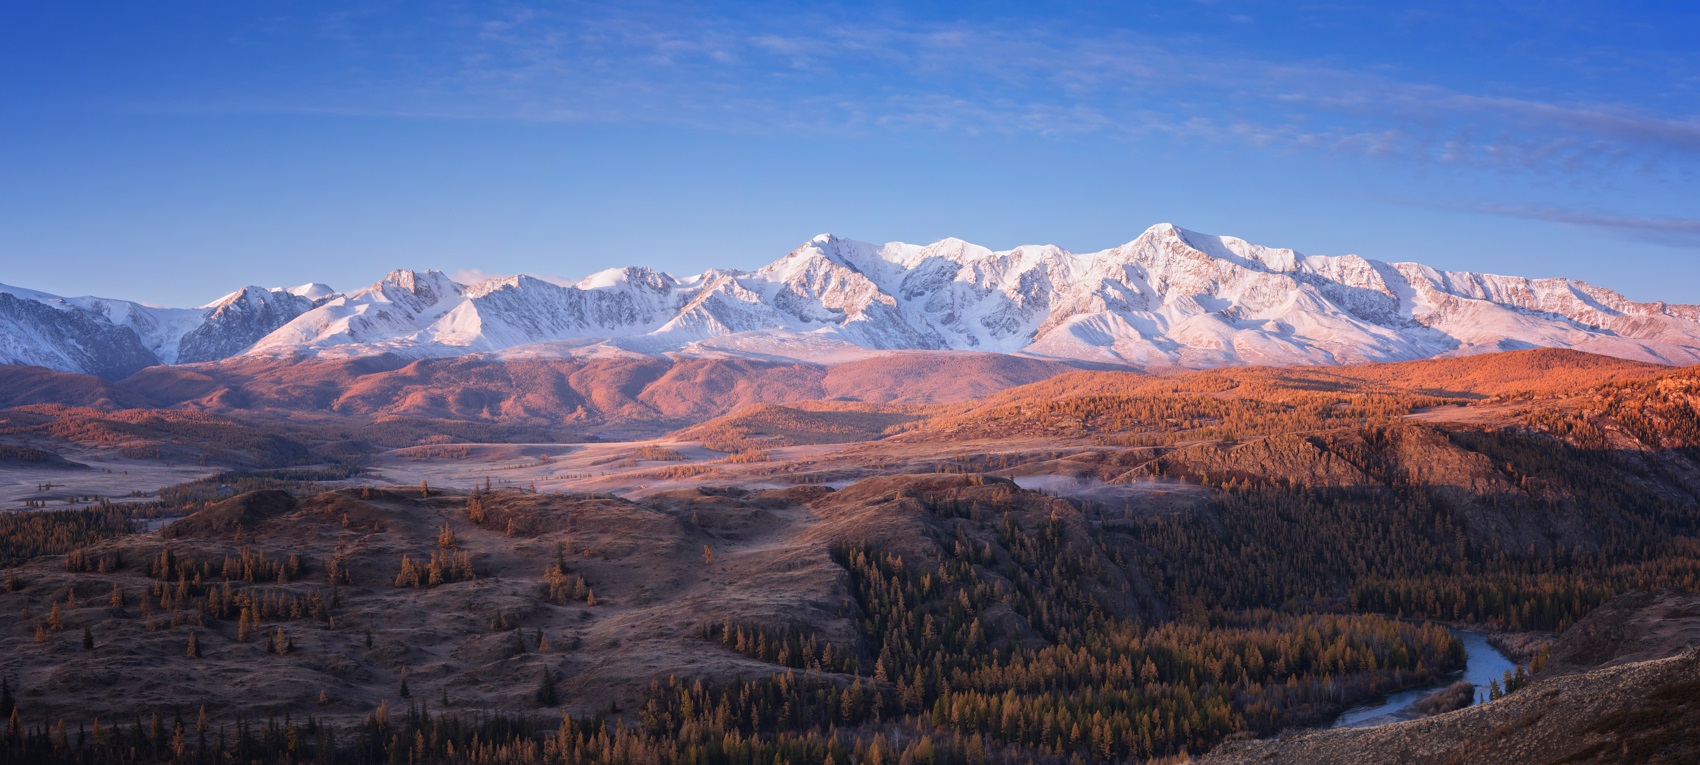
x=170, y=152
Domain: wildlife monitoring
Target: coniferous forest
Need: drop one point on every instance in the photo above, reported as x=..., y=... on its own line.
x=1301, y=563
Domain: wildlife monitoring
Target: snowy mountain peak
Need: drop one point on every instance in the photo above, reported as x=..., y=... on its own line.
x=419, y=290
x=312, y=291
x=248, y=293
x=639, y=277
x=1169, y=297
x=957, y=251
x=419, y=282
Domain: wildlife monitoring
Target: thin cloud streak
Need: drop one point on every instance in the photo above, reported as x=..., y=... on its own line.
x=1681, y=232
x=758, y=76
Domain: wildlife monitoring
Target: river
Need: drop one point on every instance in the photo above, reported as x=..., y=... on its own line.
x=1483, y=664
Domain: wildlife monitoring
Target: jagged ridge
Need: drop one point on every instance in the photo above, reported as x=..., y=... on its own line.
x=1169, y=297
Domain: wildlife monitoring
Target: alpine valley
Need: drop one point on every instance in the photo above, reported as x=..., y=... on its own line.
x=1169, y=298
x=1185, y=499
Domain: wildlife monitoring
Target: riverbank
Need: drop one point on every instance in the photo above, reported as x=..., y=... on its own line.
x=1483, y=665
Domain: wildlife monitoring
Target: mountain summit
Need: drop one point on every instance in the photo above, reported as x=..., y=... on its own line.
x=1170, y=297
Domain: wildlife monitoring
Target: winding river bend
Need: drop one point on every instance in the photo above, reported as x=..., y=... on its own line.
x=1483, y=664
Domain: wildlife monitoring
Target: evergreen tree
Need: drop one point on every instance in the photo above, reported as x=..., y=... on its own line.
x=546, y=695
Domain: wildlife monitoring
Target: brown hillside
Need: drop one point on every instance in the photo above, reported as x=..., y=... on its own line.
x=1536, y=371
x=1542, y=370
x=808, y=422
x=1247, y=401
x=931, y=377
x=328, y=571
x=155, y=433
x=623, y=396
x=241, y=513
x=22, y=386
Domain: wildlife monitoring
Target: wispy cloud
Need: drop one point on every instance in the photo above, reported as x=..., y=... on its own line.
x=1674, y=231
x=817, y=73
x=474, y=275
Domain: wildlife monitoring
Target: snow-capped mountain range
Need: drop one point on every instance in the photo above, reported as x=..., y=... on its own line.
x=1171, y=297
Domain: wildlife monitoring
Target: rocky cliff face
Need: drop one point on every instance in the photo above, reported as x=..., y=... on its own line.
x=235, y=323
x=115, y=338
x=38, y=334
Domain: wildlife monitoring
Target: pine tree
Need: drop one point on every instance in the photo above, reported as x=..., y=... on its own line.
x=546, y=689
x=194, y=651
x=405, y=693
x=88, y=639
x=424, y=489
x=7, y=702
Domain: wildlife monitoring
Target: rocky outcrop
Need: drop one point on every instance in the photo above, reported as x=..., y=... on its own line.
x=234, y=324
